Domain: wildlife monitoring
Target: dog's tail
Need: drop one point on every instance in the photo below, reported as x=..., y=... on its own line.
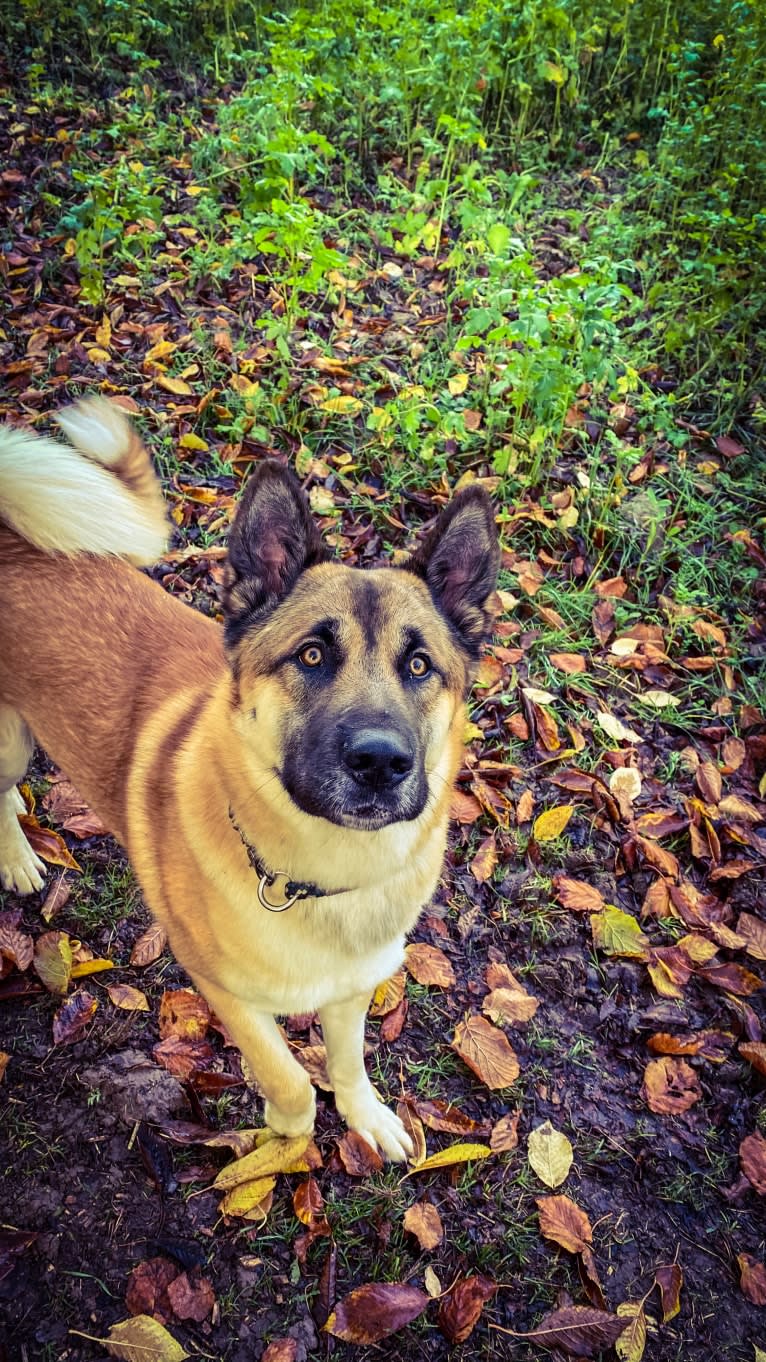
x=98, y=494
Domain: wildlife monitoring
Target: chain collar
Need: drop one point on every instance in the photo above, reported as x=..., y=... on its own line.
x=293, y=890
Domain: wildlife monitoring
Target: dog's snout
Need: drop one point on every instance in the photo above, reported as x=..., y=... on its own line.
x=378, y=758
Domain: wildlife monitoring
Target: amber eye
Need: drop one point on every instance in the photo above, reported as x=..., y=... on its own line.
x=311, y=655
x=419, y=665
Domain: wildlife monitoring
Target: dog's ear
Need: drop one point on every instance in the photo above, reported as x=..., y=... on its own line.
x=272, y=540
x=459, y=560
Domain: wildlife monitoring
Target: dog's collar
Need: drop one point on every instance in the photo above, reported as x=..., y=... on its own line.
x=294, y=890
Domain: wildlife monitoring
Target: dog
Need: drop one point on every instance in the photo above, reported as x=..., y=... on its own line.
x=282, y=783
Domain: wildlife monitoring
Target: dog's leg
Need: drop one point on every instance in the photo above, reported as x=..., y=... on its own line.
x=20, y=869
x=355, y=1097
x=290, y=1100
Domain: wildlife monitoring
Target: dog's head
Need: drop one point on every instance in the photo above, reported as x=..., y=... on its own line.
x=349, y=683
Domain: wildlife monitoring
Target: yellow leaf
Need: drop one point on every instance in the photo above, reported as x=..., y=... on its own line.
x=618, y=933
x=629, y=1347
x=247, y=1195
x=127, y=997
x=457, y=384
x=246, y=387
x=274, y=1156
x=341, y=406
x=177, y=386
x=455, y=1153
x=658, y=699
x=104, y=332
x=550, y=1154
x=472, y=733
x=161, y=350
x=141, y=1339
x=53, y=961
x=90, y=967
x=551, y=824
x=98, y=356
x=190, y=441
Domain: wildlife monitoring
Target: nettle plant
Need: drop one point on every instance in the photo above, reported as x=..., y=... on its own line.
x=539, y=340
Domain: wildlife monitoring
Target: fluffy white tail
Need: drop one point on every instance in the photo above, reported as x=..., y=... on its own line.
x=98, y=494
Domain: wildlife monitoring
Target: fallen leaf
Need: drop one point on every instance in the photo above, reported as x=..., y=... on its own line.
x=755, y=1053
x=247, y=1198
x=423, y=1220
x=388, y=995
x=429, y=965
x=577, y=895
x=142, y=1339
x=713, y=1045
x=731, y=977
x=577, y=1330
x=564, y=1223
x=752, y=1158
x=733, y=806
x=53, y=961
x=183, y=1057
x=461, y=1307
x=611, y=586
x=670, y=1086
x=708, y=781
x=183, y=1013
x=281, y=1350
x=17, y=947
x=56, y=898
x=752, y=1279
x=571, y=663
x=669, y=1279
x=618, y=934
x=602, y=619
x=550, y=1154
x=374, y=1311
x=146, y=1292
x=630, y=1346
x=308, y=1203
x=510, y=1006
x=277, y=1155
x=177, y=386
x=444, y=1117
x=414, y=1127
x=357, y=1156
x=46, y=843
x=660, y=699
x=127, y=997
x=191, y=1298
x=625, y=781
x=344, y=405
x=486, y=1051
x=752, y=928
x=550, y=824
x=484, y=862
x=505, y=1133
x=73, y=1018
x=4, y=1062
x=525, y=807
x=149, y=946
x=615, y=729
x=464, y=808
x=454, y=1153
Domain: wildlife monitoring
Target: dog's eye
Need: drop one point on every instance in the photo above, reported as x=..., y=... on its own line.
x=311, y=655
x=419, y=665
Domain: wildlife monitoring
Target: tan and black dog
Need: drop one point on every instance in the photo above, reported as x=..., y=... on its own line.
x=301, y=758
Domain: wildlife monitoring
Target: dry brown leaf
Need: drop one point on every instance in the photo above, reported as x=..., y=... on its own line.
x=577, y=895
x=129, y=998
x=357, y=1156
x=708, y=780
x=183, y=1013
x=602, y=619
x=429, y=965
x=191, y=1298
x=308, y=1203
x=577, y=1330
x=752, y=1158
x=753, y=929
x=733, y=806
x=510, y=1006
x=755, y=1052
x=525, y=807
x=712, y=1045
x=149, y=946
x=670, y=1086
x=445, y=1118
x=16, y=946
x=571, y=663
x=563, y=1222
x=46, y=843
x=483, y=864
x=281, y=1350
x=505, y=1133
x=423, y=1220
x=669, y=1279
x=486, y=1051
x=73, y=1018
x=752, y=1278
x=388, y=995
x=461, y=1307
x=374, y=1311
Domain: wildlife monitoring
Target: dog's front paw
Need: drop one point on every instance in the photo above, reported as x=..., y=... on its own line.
x=21, y=871
x=291, y=1124
x=377, y=1124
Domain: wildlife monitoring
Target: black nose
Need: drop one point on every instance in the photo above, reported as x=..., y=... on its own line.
x=377, y=757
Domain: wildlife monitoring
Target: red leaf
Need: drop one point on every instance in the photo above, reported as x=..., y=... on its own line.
x=460, y=1309
x=374, y=1311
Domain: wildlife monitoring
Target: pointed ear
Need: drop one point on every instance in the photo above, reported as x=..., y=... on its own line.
x=272, y=540
x=460, y=560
